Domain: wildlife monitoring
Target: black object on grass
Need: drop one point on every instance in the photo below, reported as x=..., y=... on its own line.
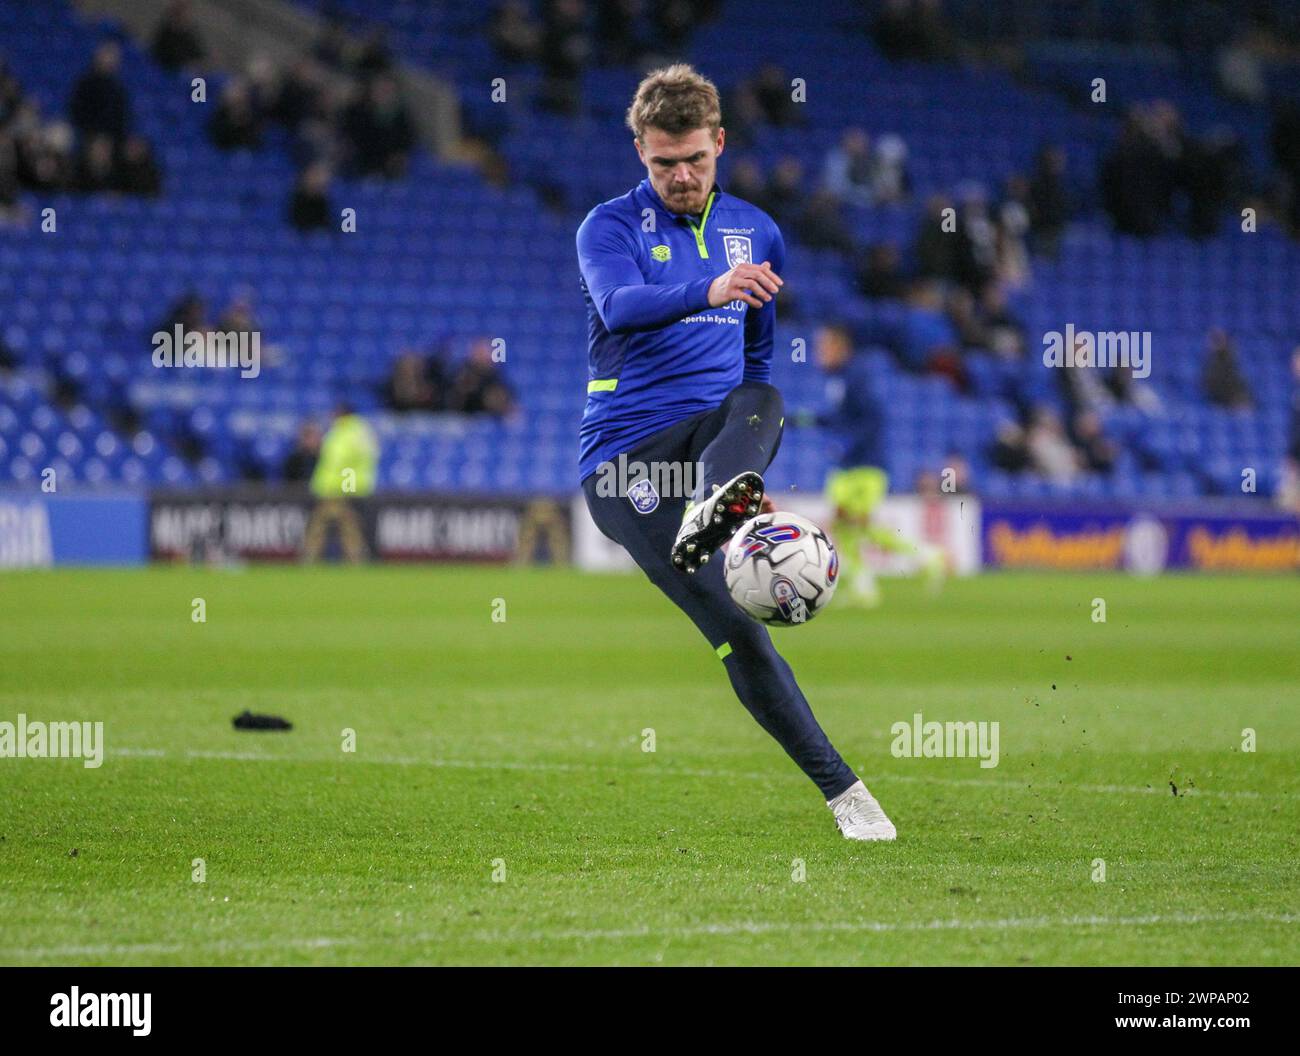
x=248, y=721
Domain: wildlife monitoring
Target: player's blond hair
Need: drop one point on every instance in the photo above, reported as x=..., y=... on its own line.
x=676, y=100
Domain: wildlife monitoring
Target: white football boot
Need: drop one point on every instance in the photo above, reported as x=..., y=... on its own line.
x=707, y=525
x=859, y=815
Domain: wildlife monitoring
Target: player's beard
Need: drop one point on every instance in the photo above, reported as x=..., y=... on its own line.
x=689, y=201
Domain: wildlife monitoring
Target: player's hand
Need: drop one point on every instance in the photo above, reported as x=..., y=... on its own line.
x=755, y=284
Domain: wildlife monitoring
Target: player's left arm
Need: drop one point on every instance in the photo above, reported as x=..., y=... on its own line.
x=760, y=323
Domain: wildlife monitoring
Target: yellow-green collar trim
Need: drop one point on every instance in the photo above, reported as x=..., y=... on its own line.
x=699, y=231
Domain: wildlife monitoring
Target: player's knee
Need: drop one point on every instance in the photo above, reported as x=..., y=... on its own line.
x=758, y=397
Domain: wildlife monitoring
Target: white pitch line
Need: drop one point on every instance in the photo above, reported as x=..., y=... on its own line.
x=883, y=779
x=744, y=927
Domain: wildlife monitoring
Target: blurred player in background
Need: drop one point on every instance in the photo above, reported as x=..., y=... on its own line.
x=681, y=316
x=345, y=472
x=856, y=489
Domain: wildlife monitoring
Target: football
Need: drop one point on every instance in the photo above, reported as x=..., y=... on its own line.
x=781, y=569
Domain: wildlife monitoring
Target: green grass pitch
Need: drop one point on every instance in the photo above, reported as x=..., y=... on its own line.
x=515, y=748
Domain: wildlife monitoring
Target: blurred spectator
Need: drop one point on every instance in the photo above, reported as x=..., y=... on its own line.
x=176, y=41
x=1290, y=489
x=95, y=170
x=137, y=170
x=1011, y=248
x=775, y=96
x=238, y=317
x=889, y=178
x=309, y=208
x=929, y=343
x=379, y=130
x=847, y=170
x=416, y=384
x=1133, y=392
x=1049, y=202
x=236, y=124
x=1223, y=381
x=743, y=115
x=1005, y=334
x=912, y=29
x=516, y=38
x=478, y=387
x=1050, y=451
x=821, y=225
x=977, y=247
x=746, y=182
x=785, y=190
x=1010, y=451
x=100, y=104
x=566, y=51
x=1097, y=451
x=373, y=57
x=301, y=460
x=1284, y=139
x=190, y=311
x=616, y=31
x=935, y=248
x=880, y=272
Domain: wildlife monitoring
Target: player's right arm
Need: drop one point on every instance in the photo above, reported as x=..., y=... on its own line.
x=626, y=303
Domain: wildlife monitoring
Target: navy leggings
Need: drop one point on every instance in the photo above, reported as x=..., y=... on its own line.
x=743, y=433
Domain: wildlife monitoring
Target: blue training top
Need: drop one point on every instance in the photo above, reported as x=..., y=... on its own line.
x=657, y=353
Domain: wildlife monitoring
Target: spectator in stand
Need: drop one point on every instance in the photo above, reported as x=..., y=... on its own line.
x=301, y=461
x=616, y=32
x=1010, y=451
x=1098, y=453
x=847, y=172
x=309, y=208
x=1049, y=202
x=1284, y=141
x=236, y=124
x=1005, y=333
x=415, y=384
x=821, y=225
x=912, y=29
x=935, y=248
x=928, y=342
x=880, y=273
x=890, y=182
x=478, y=387
x=238, y=317
x=379, y=130
x=775, y=96
x=1050, y=450
x=976, y=249
x=100, y=104
x=137, y=170
x=95, y=168
x=516, y=37
x=746, y=182
x=1139, y=174
x=1011, y=248
x=1290, y=490
x=1133, y=392
x=744, y=115
x=566, y=51
x=176, y=41
x=1223, y=381
x=785, y=190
